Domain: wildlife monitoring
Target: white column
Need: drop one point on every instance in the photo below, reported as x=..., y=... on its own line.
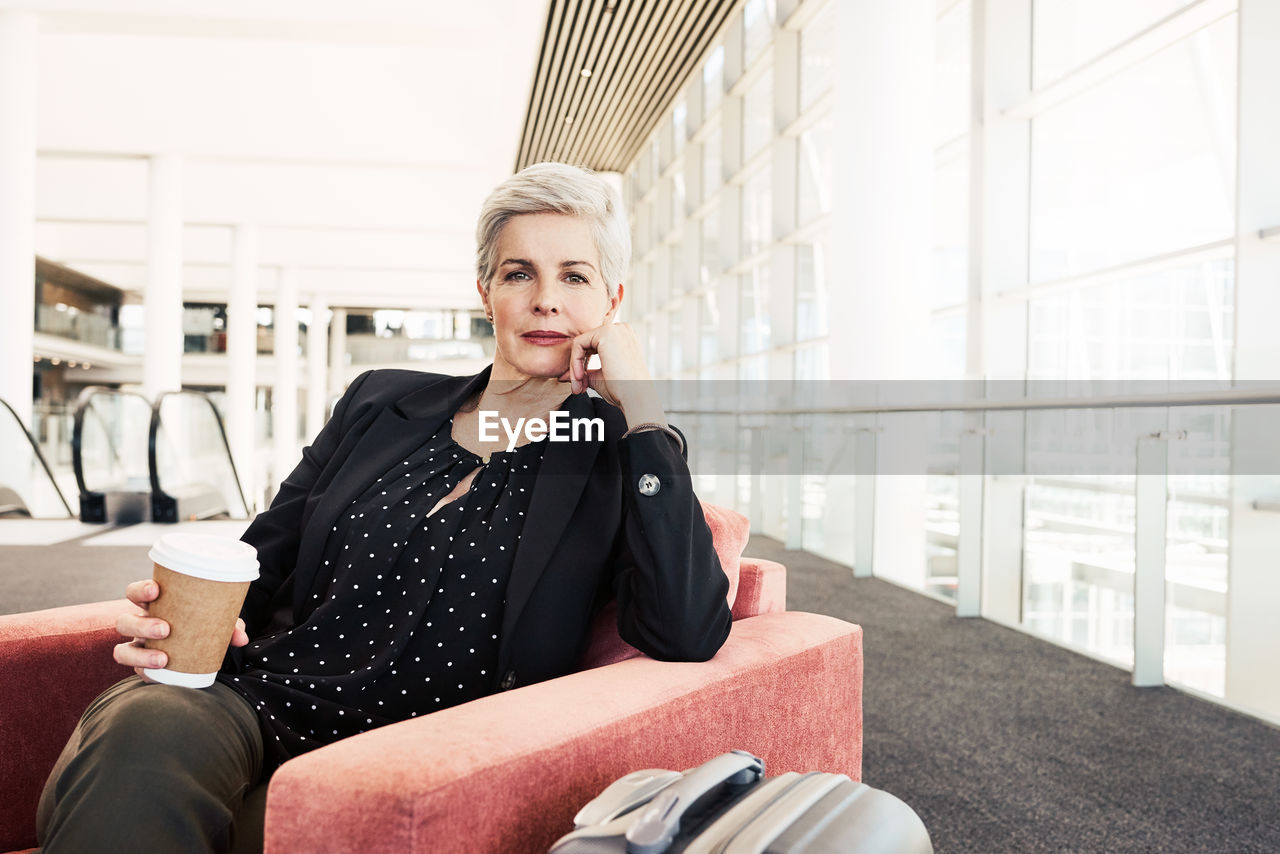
x=242, y=354
x=317, y=366
x=162, y=364
x=881, y=220
x=1000, y=167
x=18, y=35
x=1253, y=632
x=338, y=352
x=284, y=396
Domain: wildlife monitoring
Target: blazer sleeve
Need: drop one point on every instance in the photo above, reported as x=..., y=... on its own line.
x=670, y=588
x=277, y=531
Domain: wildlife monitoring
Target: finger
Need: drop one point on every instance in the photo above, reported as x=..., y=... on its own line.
x=141, y=626
x=583, y=346
x=142, y=592
x=133, y=654
x=239, y=637
x=595, y=379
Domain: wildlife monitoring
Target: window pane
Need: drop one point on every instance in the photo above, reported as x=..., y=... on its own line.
x=1078, y=564
x=757, y=116
x=811, y=362
x=756, y=204
x=709, y=251
x=1141, y=165
x=678, y=198
x=946, y=347
x=815, y=167
x=679, y=125
x=757, y=26
x=1068, y=33
x=951, y=229
x=713, y=81
x=951, y=74
x=817, y=48
x=1172, y=325
x=676, y=341
x=811, y=291
x=753, y=310
x=711, y=162
x=708, y=328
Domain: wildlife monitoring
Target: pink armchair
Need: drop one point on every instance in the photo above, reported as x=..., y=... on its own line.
x=516, y=765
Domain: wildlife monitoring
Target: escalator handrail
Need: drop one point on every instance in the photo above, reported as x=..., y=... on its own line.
x=82, y=404
x=222, y=431
x=35, y=446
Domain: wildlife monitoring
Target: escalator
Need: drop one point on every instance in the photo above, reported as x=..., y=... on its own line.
x=28, y=488
x=165, y=462
x=109, y=455
x=192, y=474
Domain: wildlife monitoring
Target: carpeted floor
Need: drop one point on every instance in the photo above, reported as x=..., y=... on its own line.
x=1002, y=743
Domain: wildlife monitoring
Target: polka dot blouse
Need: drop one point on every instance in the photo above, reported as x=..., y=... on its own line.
x=408, y=622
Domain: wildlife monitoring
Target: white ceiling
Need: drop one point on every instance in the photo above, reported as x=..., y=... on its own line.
x=359, y=135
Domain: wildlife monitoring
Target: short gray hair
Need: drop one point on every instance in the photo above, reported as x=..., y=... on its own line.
x=562, y=189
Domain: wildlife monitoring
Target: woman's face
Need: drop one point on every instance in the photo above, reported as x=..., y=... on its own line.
x=546, y=290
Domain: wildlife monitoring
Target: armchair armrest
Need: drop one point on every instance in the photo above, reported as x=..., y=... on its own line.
x=762, y=588
x=506, y=773
x=52, y=664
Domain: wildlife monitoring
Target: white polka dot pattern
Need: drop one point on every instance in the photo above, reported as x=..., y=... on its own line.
x=408, y=621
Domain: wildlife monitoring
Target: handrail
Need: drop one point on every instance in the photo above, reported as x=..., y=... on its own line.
x=222, y=431
x=82, y=403
x=35, y=446
x=1232, y=397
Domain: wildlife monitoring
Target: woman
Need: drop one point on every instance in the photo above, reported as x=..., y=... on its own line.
x=414, y=560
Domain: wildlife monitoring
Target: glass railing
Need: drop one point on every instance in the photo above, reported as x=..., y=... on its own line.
x=1112, y=524
x=374, y=350
x=192, y=475
x=28, y=488
x=70, y=322
x=109, y=455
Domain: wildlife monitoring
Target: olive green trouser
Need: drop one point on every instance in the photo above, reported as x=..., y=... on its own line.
x=157, y=768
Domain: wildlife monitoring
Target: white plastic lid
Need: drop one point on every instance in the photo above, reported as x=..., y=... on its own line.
x=206, y=556
x=175, y=677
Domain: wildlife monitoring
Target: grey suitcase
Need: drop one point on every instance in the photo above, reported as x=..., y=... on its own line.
x=728, y=806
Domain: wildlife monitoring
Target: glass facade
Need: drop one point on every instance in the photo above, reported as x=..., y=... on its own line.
x=1125, y=228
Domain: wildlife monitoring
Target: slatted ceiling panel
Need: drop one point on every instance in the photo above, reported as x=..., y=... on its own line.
x=650, y=64
x=613, y=70
x=654, y=100
x=600, y=87
x=568, y=80
x=639, y=52
x=564, y=59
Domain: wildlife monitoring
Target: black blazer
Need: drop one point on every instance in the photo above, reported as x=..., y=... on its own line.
x=590, y=533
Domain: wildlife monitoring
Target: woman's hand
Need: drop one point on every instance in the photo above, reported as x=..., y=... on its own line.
x=622, y=379
x=139, y=627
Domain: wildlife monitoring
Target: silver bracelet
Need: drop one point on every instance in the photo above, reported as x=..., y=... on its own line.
x=650, y=425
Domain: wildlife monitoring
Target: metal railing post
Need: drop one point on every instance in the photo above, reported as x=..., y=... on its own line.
x=864, y=502
x=1151, y=494
x=969, y=542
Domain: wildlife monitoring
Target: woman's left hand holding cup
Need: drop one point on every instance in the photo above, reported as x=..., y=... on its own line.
x=138, y=627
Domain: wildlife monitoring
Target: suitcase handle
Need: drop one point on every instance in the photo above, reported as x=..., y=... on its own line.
x=659, y=822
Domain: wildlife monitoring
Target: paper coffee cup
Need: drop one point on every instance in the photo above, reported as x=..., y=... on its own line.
x=203, y=580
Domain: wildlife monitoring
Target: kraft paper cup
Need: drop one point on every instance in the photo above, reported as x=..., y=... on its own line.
x=203, y=580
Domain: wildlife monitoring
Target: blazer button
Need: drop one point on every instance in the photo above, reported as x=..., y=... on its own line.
x=508, y=681
x=649, y=484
